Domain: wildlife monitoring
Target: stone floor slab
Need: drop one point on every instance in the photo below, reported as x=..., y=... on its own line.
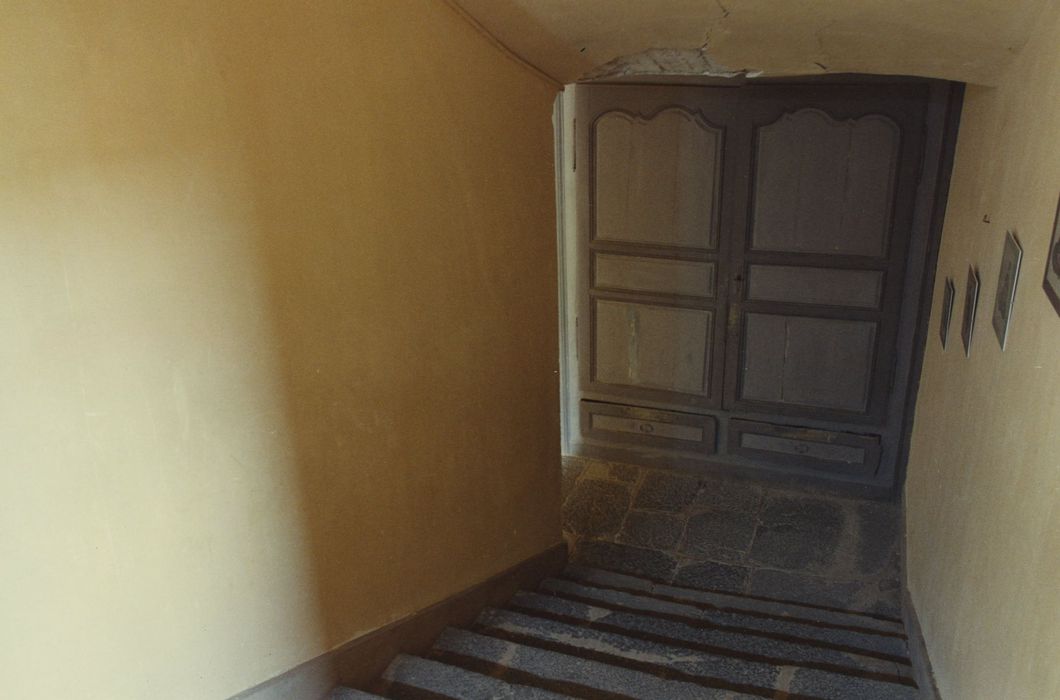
x=624, y=472
x=666, y=491
x=639, y=561
x=570, y=471
x=645, y=528
x=596, y=508
x=713, y=576
x=719, y=494
x=841, y=552
x=712, y=530
x=869, y=596
x=878, y=525
x=798, y=534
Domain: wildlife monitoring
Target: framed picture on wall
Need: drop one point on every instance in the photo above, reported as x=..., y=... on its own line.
x=1007, y=278
x=971, y=300
x=1052, y=265
x=947, y=311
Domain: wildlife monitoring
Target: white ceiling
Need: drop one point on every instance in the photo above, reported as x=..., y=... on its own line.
x=967, y=40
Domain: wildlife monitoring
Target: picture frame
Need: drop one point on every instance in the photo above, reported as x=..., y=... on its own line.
x=971, y=301
x=1051, y=282
x=948, y=296
x=1007, y=278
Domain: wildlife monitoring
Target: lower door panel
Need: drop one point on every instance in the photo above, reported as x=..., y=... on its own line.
x=791, y=446
x=668, y=431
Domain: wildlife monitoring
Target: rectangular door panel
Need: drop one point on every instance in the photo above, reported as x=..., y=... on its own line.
x=689, y=278
x=816, y=449
x=651, y=346
x=824, y=186
x=815, y=285
x=805, y=361
x=651, y=428
x=656, y=179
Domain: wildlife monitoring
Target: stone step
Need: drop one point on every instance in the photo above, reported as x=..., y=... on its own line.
x=343, y=693
x=564, y=673
x=668, y=660
x=444, y=680
x=857, y=642
x=753, y=647
x=735, y=602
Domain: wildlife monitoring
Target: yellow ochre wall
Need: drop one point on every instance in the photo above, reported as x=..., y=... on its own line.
x=277, y=333
x=983, y=490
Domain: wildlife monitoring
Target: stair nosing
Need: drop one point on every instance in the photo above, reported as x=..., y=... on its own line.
x=418, y=660
x=740, y=611
x=697, y=621
x=522, y=629
x=652, y=583
x=753, y=657
x=660, y=671
x=623, y=665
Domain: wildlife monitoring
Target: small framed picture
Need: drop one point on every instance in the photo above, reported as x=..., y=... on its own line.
x=1006, y=287
x=971, y=300
x=1051, y=283
x=948, y=295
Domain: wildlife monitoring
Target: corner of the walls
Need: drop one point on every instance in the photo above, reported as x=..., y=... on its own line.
x=947, y=101
x=919, y=658
x=551, y=80
x=918, y=650
x=360, y=661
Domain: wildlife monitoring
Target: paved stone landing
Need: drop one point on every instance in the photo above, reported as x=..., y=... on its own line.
x=739, y=536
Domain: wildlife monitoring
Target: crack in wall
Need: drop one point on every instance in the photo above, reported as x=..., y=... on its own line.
x=690, y=62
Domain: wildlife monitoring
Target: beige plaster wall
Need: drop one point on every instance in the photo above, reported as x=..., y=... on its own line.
x=983, y=491
x=277, y=333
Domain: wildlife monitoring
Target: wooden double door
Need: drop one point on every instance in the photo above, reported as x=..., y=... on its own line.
x=743, y=271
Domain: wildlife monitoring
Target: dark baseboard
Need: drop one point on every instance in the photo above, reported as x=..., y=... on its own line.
x=360, y=662
x=918, y=653
x=312, y=680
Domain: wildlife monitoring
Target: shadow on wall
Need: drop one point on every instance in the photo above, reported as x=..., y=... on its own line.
x=280, y=333
x=407, y=228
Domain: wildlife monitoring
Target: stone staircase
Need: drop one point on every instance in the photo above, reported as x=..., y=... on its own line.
x=591, y=633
